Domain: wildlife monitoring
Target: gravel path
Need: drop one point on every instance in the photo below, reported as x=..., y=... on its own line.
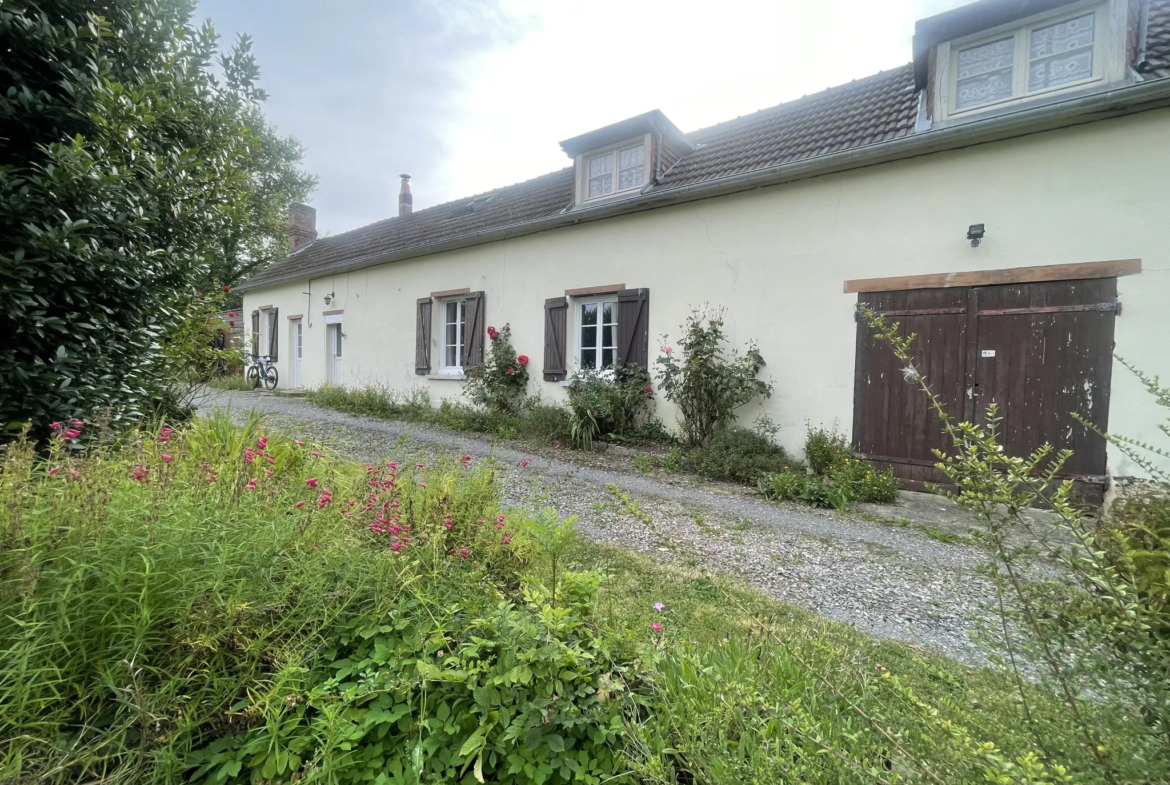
x=891, y=582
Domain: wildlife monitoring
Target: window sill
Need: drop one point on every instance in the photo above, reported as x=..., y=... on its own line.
x=447, y=376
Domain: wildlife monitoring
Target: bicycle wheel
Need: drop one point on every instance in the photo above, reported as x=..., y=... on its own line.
x=252, y=377
x=270, y=377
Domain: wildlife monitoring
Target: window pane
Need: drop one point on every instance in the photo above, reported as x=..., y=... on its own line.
x=984, y=73
x=607, y=336
x=630, y=178
x=450, y=356
x=588, y=358
x=609, y=313
x=599, y=186
x=337, y=332
x=452, y=334
x=606, y=358
x=1062, y=37
x=635, y=156
x=588, y=337
x=452, y=312
x=589, y=313
x=1061, y=53
x=602, y=164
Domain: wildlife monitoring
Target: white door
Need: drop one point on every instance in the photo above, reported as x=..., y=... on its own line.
x=298, y=352
x=334, y=338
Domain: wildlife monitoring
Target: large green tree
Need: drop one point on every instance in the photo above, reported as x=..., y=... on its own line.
x=133, y=172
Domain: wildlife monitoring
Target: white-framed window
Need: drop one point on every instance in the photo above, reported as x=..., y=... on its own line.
x=1049, y=54
x=597, y=333
x=453, y=324
x=621, y=169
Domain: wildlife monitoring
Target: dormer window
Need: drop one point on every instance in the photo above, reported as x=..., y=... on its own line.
x=630, y=165
x=622, y=158
x=992, y=56
x=1029, y=60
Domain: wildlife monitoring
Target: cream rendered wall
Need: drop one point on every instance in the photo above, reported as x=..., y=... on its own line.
x=777, y=257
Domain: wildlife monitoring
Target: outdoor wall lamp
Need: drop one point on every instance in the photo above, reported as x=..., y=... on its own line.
x=329, y=297
x=974, y=234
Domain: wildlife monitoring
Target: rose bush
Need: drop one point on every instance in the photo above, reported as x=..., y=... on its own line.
x=500, y=384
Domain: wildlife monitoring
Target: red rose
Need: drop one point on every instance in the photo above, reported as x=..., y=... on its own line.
x=649, y=389
x=523, y=360
x=227, y=288
x=509, y=371
x=232, y=323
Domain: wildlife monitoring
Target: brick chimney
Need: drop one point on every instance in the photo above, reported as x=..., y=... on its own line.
x=405, y=199
x=302, y=226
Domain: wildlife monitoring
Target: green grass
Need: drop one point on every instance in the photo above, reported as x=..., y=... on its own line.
x=933, y=532
x=154, y=623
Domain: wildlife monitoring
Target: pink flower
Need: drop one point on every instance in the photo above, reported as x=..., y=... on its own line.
x=396, y=547
x=211, y=478
x=251, y=486
x=420, y=465
x=464, y=553
x=422, y=485
x=524, y=463
x=315, y=454
x=311, y=482
x=54, y=470
x=658, y=607
x=269, y=472
x=448, y=524
x=523, y=360
x=507, y=538
x=656, y=627
x=231, y=313
x=249, y=456
x=299, y=505
x=167, y=458
x=262, y=442
x=231, y=323
x=510, y=372
x=667, y=349
x=649, y=389
x=75, y=475
x=556, y=446
x=499, y=519
x=54, y=425
x=300, y=444
x=78, y=424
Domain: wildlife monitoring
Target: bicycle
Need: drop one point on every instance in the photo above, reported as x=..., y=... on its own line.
x=262, y=369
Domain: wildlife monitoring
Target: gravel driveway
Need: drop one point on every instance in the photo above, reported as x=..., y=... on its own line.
x=890, y=582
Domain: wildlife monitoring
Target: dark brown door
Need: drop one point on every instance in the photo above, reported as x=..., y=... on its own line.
x=1040, y=351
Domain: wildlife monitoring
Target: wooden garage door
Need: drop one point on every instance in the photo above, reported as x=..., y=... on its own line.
x=1039, y=350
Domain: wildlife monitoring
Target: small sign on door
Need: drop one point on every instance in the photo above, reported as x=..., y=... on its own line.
x=989, y=352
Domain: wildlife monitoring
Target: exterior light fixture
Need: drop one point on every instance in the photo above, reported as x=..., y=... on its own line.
x=329, y=297
x=974, y=234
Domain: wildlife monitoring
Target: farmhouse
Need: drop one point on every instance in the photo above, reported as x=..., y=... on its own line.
x=1005, y=195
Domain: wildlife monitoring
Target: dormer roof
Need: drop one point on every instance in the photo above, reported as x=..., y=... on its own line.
x=653, y=121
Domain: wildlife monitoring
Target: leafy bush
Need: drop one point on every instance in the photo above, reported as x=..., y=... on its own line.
x=860, y=481
x=705, y=385
x=740, y=455
x=545, y=423
x=826, y=451
x=367, y=401
x=615, y=401
x=501, y=383
x=136, y=169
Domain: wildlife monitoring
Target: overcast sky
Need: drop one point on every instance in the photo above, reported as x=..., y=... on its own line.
x=470, y=95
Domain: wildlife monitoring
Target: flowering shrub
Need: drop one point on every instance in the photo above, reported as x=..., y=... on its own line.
x=501, y=382
x=614, y=401
x=705, y=384
x=826, y=450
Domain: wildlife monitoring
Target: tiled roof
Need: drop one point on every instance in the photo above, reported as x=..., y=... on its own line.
x=1158, y=38
x=864, y=112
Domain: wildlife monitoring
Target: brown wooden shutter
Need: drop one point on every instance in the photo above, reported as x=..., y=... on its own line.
x=422, y=337
x=474, y=331
x=556, y=319
x=255, y=335
x=273, y=339
x=634, y=327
